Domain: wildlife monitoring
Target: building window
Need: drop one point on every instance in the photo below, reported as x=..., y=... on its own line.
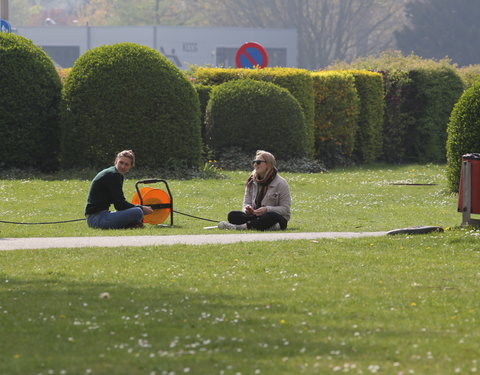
x=63, y=56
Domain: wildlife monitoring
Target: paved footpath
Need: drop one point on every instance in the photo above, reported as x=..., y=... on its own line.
x=196, y=239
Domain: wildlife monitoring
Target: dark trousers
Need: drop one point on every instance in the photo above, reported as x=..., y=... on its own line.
x=257, y=222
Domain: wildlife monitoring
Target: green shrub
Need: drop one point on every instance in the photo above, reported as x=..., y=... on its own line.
x=391, y=61
x=469, y=74
x=297, y=81
x=203, y=92
x=336, y=114
x=368, y=139
x=235, y=159
x=397, y=119
x=255, y=115
x=29, y=106
x=128, y=96
x=63, y=73
x=463, y=133
x=433, y=95
x=423, y=92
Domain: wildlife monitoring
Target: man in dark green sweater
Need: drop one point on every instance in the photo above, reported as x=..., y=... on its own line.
x=107, y=189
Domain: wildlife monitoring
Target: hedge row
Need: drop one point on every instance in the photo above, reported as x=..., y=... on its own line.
x=348, y=108
x=434, y=93
x=368, y=140
x=419, y=97
x=154, y=109
x=297, y=81
x=401, y=118
x=470, y=75
x=398, y=120
x=419, y=103
x=337, y=106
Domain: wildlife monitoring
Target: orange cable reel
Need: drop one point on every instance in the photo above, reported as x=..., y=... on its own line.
x=151, y=196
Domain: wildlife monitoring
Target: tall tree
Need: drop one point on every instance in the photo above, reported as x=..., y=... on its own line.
x=439, y=28
x=97, y=12
x=120, y=12
x=36, y=12
x=94, y=12
x=328, y=30
x=21, y=12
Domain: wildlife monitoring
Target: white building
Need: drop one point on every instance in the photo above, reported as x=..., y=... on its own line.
x=184, y=46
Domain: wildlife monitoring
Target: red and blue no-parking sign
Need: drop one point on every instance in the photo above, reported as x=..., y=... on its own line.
x=5, y=26
x=251, y=55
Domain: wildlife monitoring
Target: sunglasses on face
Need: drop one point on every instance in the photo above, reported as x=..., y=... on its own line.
x=258, y=162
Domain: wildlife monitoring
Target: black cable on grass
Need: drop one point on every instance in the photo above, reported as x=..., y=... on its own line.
x=196, y=217
x=74, y=220
x=45, y=222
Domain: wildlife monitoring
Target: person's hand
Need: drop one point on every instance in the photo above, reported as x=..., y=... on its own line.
x=147, y=210
x=260, y=211
x=249, y=210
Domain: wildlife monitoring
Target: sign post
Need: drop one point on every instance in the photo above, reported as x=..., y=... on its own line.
x=251, y=55
x=4, y=9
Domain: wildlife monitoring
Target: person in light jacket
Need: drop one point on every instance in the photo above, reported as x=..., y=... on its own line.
x=267, y=200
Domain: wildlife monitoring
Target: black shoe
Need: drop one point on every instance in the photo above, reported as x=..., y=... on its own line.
x=136, y=225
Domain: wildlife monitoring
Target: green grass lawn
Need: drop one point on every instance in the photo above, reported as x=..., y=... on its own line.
x=384, y=305
x=356, y=199
x=391, y=305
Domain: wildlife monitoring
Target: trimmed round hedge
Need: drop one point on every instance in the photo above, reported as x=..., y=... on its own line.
x=29, y=106
x=254, y=115
x=297, y=81
x=129, y=96
x=463, y=133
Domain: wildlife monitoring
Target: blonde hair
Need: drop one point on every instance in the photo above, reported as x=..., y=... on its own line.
x=269, y=160
x=126, y=154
